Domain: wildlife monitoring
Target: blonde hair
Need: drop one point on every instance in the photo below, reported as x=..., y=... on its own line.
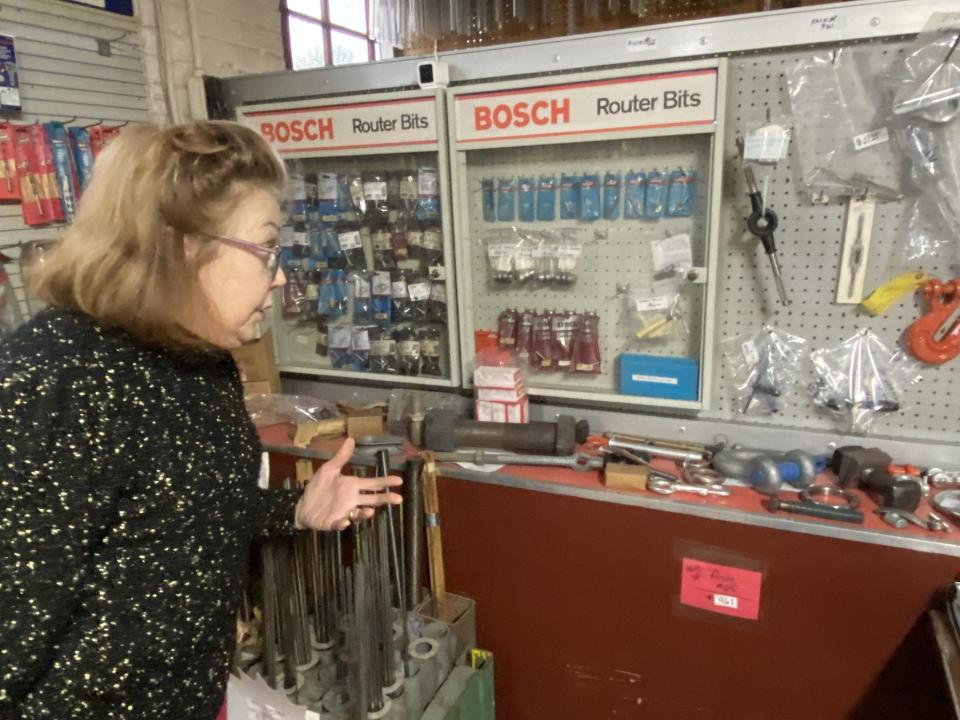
x=124, y=260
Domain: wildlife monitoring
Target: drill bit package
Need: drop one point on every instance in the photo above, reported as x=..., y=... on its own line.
x=926, y=108
x=507, y=200
x=375, y=197
x=656, y=196
x=861, y=378
x=654, y=312
x=841, y=123
x=680, y=193
x=765, y=369
x=547, y=198
x=634, y=195
x=590, y=205
x=526, y=199
x=611, y=196
x=569, y=197
x=487, y=196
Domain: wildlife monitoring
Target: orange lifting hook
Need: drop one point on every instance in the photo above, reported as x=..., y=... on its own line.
x=935, y=337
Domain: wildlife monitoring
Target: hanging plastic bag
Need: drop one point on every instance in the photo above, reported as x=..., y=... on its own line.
x=765, y=367
x=654, y=312
x=861, y=379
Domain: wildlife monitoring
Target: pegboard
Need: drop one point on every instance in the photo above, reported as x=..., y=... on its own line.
x=615, y=252
x=809, y=240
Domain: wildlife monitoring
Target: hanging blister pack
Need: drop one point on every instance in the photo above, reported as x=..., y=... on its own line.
x=861, y=378
x=671, y=255
x=408, y=195
x=334, y=292
x=301, y=240
x=419, y=290
x=506, y=200
x=415, y=242
x=590, y=205
x=562, y=329
x=547, y=198
x=375, y=198
x=569, y=197
x=428, y=195
x=9, y=185
x=430, y=351
x=507, y=329
x=359, y=348
x=634, y=195
x=399, y=242
x=351, y=247
x=408, y=348
x=327, y=196
x=541, y=343
x=383, y=352
x=382, y=301
x=384, y=257
x=437, y=312
x=401, y=310
x=585, y=353
x=653, y=204
x=526, y=200
x=296, y=205
x=66, y=173
x=362, y=299
x=680, y=194
x=502, y=254
x=340, y=346
x=766, y=368
x=524, y=338
x=611, y=196
x=432, y=253
x=358, y=202
x=82, y=155
x=488, y=199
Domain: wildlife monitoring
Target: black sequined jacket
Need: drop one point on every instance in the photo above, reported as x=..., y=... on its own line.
x=128, y=502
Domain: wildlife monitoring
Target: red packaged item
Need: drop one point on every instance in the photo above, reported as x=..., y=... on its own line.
x=541, y=345
x=586, y=345
x=9, y=187
x=507, y=329
x=32, y=206
x=524, y=335
x=47, y=173
x=562, y=328
x=100, y=137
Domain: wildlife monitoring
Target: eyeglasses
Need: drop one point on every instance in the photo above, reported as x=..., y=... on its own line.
x=272, y=254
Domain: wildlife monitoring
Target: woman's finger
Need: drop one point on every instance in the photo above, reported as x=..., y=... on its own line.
x=375, y=484
x=341, y=524
x=366, y=513
x=342, y=456
x=383, y=498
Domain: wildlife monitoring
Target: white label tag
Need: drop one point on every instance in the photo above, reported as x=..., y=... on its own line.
x=432, y=240
x=381, y=347
x=339, y=337
x=652, y=304
x=655, y=379
x=376, y=190
x=419, y=291
x=301, y=238
x=303, y=340
x=409, y=348
x=399, y=289
x=360, y=339
x=569, y=251
x=545, y=251
x=297, y=188
x=381, y=283
x=726, y=601
x=415, y=238
x=672, y=252
x=408, y=188
x=438, y=292
x=499, y=251
x=767, y=144
x=286, y=236
x=361, y=287
x=427, y=183
x=327, y=186
x=431, y=348
x=381, y=240
x=438, y=272
x=869, y=139
x=264, y=480
x=750, y=353
x=350, y=240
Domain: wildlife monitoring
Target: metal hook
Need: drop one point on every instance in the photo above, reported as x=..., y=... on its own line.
x=114, y=127
x=92, y=125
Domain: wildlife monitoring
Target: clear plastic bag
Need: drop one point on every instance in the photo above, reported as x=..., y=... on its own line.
x=766, y=368
x=926, y=108
x=654, y=312
x=267, y=410
x=861, y=378
x=840, y=111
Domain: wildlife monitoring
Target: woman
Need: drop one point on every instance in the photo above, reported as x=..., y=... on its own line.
x=128, y=465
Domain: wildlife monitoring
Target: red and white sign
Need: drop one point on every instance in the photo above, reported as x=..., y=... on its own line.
x=721, y=589
x=638, y=102
x=311, y=129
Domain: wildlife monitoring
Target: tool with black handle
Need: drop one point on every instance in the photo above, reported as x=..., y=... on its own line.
x=763, y=223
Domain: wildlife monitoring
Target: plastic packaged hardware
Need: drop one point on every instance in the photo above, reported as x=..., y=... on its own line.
x=672, y=255
x=296, y=198
x=351, y=246
x=430, y=341
x=841, y=124
x=506, y=200
x=301, y=240
x=547, y=198
x=358, y=201
x=266, y=410
x=680, y=194
x=569, y=197
x=398, y=240
x=654, y=312
x=362, y=298
x=428, y=195
x=419, y=289
x=502, y=253
x=526, y=200
x=323, y=338
x=327, y=192
x=507, y=329
x=541, y=343
x=656, y=196
x=562, y=329
x=381, y=300
x=375, y=197
x=360, y=348
x=432, y=248
x=384, y=257
x=437, y=308
x=401, y=309
x=415, y=242
x=765, y=368
x=383, y=352
x=861, y=379
x=524, y=334
x=611, y=196
x=767, y=143
x=408, y=347
x=585, y=353
x=590, y=205
x=634, y=195
x=488, y=200
x=333, y=293
x=340, y=352
x=295, y=290
x=409, y=194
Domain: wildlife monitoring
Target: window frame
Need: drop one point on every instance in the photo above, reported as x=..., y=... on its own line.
x=326, y=27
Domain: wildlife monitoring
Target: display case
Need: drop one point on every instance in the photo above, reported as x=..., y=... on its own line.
x=587, y=214
x=366, y=242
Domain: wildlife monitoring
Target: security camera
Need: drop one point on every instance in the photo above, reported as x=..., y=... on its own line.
x=433, y=74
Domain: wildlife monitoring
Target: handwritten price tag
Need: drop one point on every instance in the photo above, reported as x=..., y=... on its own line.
x=721, y=589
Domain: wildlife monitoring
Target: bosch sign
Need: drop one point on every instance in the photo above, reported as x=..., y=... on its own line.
x=521, y=114
x=297, y=130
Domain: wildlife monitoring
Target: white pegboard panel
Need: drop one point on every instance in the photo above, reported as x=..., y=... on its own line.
x=616, y=252
x=809, y=243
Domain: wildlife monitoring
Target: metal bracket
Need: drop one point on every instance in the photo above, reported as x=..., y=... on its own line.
x=856, y=248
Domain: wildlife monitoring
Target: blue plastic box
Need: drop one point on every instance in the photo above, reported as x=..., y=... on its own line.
x=659, y=376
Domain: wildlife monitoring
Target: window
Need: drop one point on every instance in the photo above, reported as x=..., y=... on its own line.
x=327, y=32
